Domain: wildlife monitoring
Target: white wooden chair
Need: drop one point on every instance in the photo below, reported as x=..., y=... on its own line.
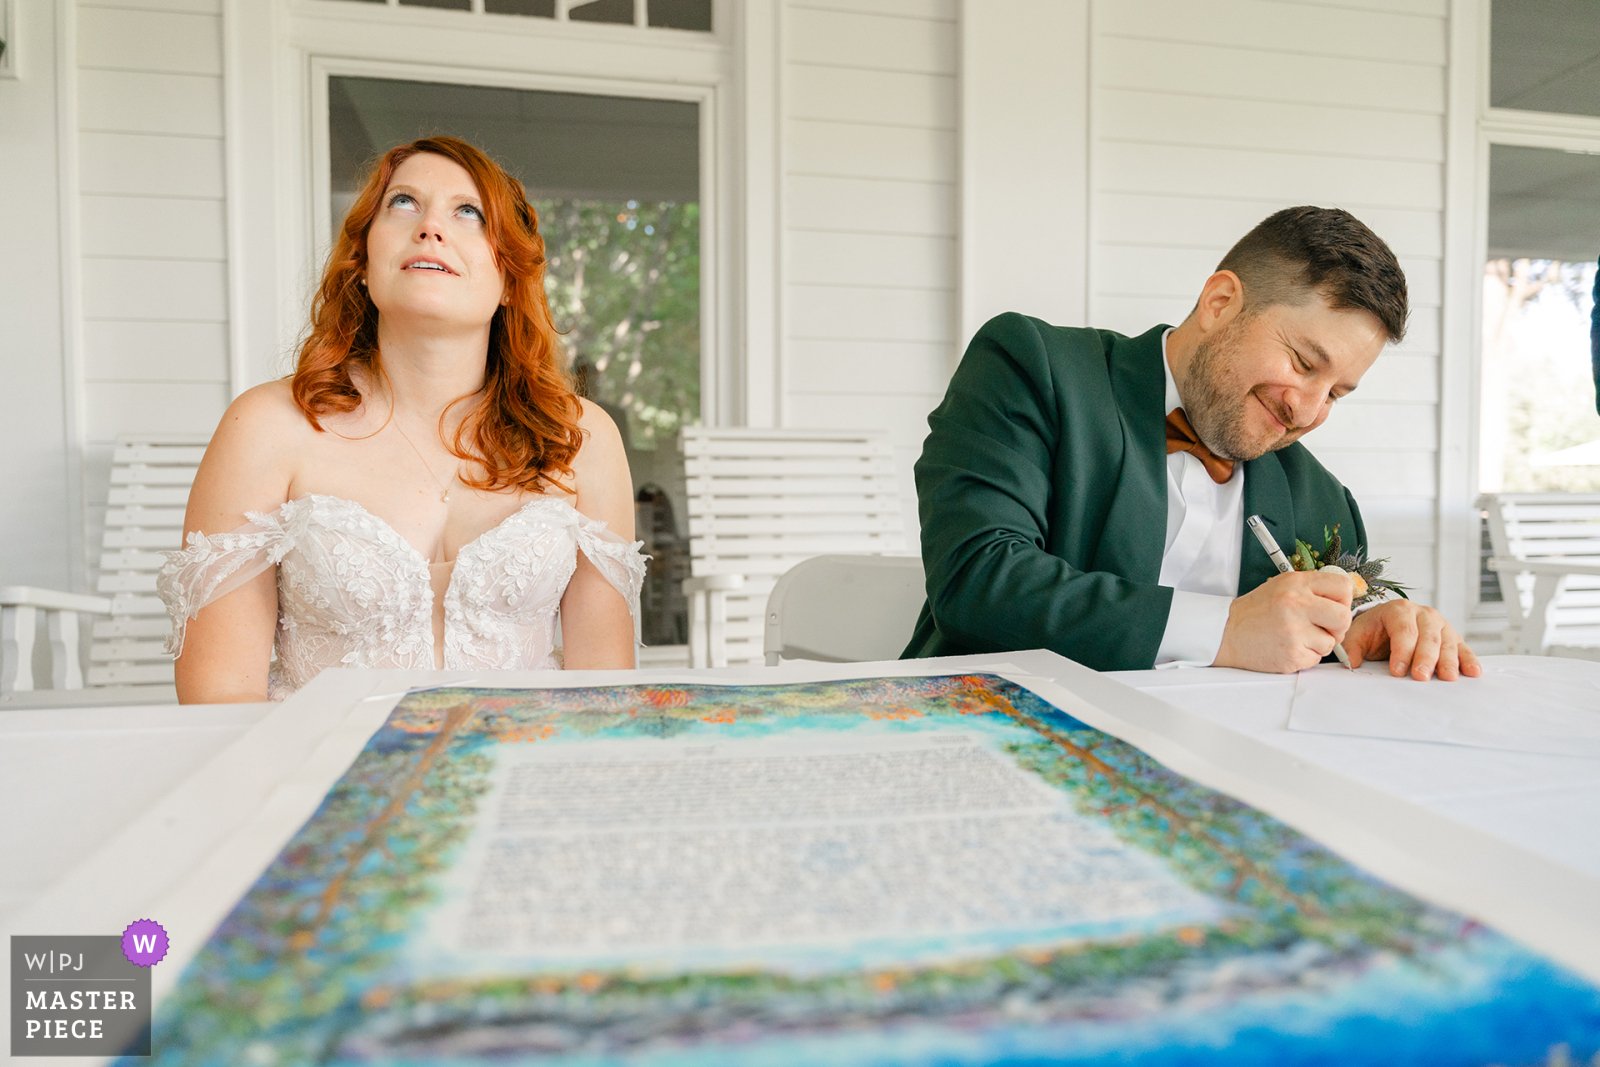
x=1547, y=554
x=150, y=480
x=761, y=501
x=844, y=609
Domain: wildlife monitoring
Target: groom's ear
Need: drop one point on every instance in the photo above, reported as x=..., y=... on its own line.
x=1221, y=301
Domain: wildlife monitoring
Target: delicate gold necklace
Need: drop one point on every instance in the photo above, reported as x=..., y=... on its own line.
x=444, y=490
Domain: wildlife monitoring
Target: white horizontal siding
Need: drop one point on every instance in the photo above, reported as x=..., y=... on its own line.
x=853, y=313
x=194, y=7
x=142, y=39
x=915, y=43
x=929, y=9
x=876, y=260
x=153, y=233
x=867, y=151
x=871, y=205
x=1286, y=177
x=1166, y=118
x=871, y=367
x=1206, y=118
x=143, y=226
x=887, y=98
x=139, y=164
x=1213, y=219
x=1293, y=74
x=1436, y=8
x=868, y=154
x=154, y=351
x=122, y=101
x=1264, y=24
x=171, y=290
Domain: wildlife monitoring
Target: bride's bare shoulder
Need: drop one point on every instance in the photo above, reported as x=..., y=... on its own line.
x=252, y=457
x=268, y=408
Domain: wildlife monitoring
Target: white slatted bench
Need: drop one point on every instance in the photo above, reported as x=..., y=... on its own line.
x=761, y=501
x=1546, y=551
x=150, y=480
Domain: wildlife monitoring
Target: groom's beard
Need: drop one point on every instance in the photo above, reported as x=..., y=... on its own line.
x=1219, y=404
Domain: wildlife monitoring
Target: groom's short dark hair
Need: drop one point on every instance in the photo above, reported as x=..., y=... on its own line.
x=1300, y=250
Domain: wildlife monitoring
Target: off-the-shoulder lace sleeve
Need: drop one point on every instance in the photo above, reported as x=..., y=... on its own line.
x=213, y=565
x=621, y=562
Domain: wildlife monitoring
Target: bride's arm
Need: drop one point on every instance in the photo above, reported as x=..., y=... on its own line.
x=228, y=645
x=596, y=627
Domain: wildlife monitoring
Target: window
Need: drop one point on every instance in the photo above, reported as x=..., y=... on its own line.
x=692, y=15
x=1537, y=425
x=615, y=181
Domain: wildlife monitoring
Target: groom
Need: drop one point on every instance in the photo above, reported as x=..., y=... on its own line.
x=1059, y=512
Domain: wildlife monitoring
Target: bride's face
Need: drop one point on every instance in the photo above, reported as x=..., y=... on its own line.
x=428, y=256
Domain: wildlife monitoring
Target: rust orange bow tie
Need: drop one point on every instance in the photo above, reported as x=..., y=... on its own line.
x=1182, y=438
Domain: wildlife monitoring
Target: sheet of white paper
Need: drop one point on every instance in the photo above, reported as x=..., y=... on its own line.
x=1520, y=704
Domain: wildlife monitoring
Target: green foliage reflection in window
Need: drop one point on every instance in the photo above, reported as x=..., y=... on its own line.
x=624, y=286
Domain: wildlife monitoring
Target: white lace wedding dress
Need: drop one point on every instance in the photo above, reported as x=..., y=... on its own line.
x=353, y=593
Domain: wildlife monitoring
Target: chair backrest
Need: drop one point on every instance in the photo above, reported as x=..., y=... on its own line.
x=1549, y=528
x=760, y=501
x=844, y=609
x=150, y=480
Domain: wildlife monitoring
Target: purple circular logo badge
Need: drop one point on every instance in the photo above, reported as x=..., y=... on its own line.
x=144, y=943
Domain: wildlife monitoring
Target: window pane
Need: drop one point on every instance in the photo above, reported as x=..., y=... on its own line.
x=453, y=5
x=1539, y=428
x=681, y=14
x=602, y=11
x=616, y=184
x=1544, y=55
x=544, y=9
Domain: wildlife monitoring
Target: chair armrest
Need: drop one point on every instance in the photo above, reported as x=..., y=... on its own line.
x=20, y=606
x=28, y=596
x=708, y=616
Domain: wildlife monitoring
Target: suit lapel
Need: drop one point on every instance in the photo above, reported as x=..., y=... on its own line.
x=1266, y=493
x=1136, y=525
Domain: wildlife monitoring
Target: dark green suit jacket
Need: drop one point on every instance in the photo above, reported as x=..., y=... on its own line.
x=1042, y=490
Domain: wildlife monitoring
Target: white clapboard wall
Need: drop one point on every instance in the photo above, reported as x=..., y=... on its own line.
x=1205, y=118
x=153, y=250
x=761, y=501
x=869, y=213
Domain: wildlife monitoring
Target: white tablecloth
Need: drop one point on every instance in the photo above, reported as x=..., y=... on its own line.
x=1509, y=835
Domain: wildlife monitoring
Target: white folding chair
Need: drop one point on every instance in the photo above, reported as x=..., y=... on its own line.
x=844, y=609
x=760, y=501
x=1547, y=555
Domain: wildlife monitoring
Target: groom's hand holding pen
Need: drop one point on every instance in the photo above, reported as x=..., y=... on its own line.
x=1288, y=623
x=1280, y=561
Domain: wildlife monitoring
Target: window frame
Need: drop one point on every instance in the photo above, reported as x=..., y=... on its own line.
x=281, y=54
x=1475, y=126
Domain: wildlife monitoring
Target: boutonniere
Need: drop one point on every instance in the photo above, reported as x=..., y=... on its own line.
x=1365, y=574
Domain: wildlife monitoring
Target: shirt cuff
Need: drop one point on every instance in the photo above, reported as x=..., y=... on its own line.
x=1194, y=630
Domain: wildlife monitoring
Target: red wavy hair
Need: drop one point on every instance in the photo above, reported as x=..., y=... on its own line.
x=525, y=429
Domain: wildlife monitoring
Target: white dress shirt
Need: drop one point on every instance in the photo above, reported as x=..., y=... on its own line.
x=1205, y=534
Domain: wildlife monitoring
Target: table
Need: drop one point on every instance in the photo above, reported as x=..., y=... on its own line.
x=1511, y=834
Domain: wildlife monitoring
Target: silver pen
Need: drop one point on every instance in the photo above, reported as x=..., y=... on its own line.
x=1280, y=561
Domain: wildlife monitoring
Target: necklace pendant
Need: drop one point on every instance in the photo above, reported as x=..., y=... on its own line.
x=444, y=497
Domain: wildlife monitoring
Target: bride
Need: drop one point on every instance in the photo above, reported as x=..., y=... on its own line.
x=426, y=490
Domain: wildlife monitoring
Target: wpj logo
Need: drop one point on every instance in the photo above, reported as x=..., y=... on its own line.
x=84, y=996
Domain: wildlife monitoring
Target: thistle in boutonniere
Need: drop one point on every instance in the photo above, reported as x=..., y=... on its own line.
x=1367, y=575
